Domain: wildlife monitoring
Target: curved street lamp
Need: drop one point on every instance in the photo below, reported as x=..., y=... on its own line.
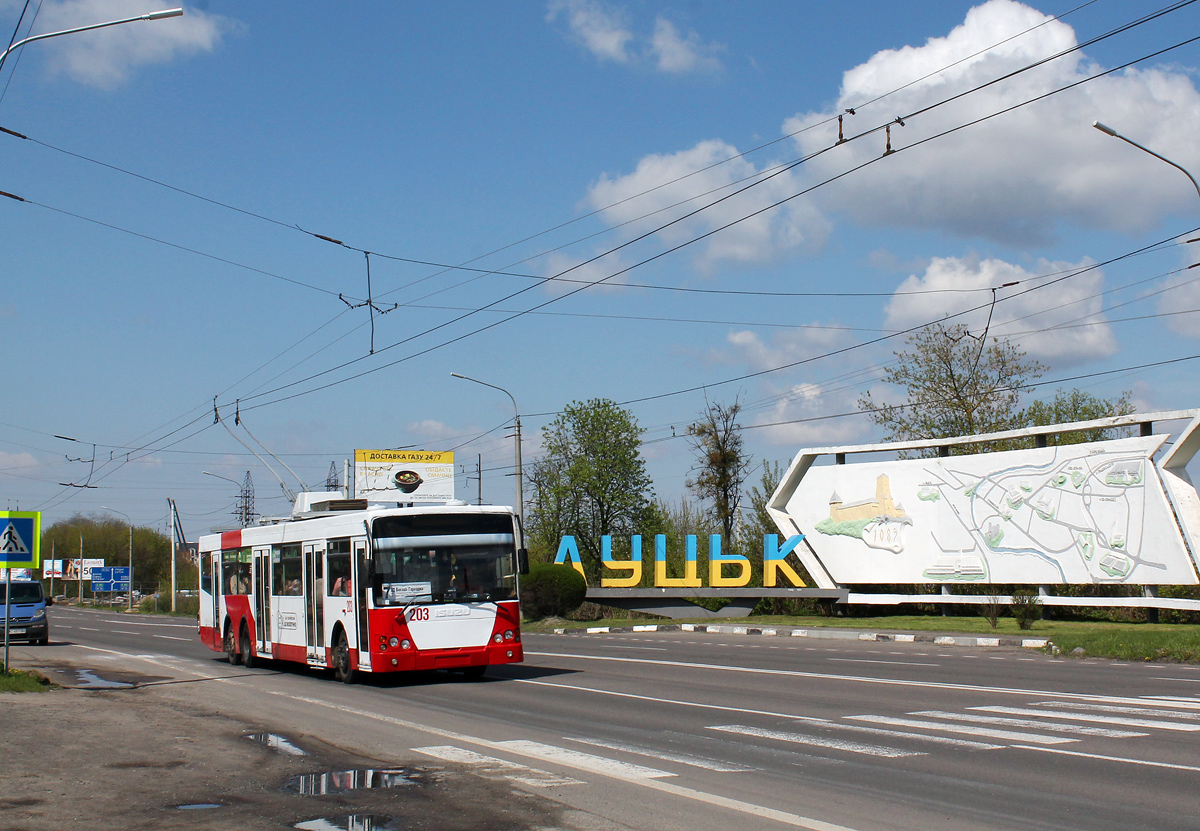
x=129, y=591
x=161, y=15
x=1109, y=131
x=520, y=507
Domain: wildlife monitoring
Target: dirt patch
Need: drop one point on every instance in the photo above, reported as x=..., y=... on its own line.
x=128, y=759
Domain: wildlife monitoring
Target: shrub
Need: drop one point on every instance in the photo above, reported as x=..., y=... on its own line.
x=1026, y=608
x=551, y=589
x=991, y=610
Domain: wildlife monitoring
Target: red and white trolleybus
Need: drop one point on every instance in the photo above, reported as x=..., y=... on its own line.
x=356, y=588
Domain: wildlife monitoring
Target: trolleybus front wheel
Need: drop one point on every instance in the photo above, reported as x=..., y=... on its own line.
x=246, y=648
x=230, y=646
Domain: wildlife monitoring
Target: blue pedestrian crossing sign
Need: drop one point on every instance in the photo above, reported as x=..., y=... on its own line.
x=20, y=539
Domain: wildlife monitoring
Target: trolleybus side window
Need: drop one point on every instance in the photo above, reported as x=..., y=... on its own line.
x=338, y=581
x=286, y=560
x=443, y=558
x=235, y=571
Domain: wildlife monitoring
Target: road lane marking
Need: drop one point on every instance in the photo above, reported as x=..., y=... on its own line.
x=1007, y=735
x=1028, y=722
x=640, y=697
x=817, y=741
x=714, y=765
x=173, y=638
x=1070, y=716
x=489, y=767
x=1121, y=759
x=861, y=679
x=889, y=663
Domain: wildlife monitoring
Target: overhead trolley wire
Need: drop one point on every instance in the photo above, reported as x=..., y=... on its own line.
x=694, y=240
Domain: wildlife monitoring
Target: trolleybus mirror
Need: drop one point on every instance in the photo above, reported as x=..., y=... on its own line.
x=522, y=561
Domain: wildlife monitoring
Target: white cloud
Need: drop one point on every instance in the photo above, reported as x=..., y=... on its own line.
x=650, y=196
x=1027, y=319
x=435, y=431
x=10, y=462
x=598, y=27
x=682, y=53
x=106, y=57
x=1015, y=177
x=575, y=272
x=794, y=411
x=605, y=31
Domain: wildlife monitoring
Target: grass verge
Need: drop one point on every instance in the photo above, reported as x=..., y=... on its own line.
x=20, y=681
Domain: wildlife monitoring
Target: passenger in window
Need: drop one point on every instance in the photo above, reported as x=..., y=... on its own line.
x=341, y=587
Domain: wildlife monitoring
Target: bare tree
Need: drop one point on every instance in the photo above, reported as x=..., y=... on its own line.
x=721, y=463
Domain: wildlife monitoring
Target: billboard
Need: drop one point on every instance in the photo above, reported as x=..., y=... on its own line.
x=404, y=475
x=1091, y=513
x=69, y=569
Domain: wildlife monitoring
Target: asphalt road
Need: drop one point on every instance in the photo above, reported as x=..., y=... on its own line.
x=676, y=730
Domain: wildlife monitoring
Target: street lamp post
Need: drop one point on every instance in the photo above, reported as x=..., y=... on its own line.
x=129, y=590
x=161, y=15
x=1109, y=131
x=1151, y=613
x=520, y=507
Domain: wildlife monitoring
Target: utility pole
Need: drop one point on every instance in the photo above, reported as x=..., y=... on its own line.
x=244, y=511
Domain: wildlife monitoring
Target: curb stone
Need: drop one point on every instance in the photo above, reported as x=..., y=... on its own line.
x=827, y=634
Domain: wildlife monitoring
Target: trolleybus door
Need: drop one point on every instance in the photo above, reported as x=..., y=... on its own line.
x=358, y=600
x=314, y=601
x=216, y=590
x=262, y=599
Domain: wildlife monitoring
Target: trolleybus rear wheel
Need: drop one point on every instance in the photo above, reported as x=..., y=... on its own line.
x=341, y=660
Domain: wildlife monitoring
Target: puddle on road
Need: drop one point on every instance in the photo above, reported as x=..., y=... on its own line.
x=353, y=822
x=343, y=781
x=89, y=680
x=198, y=806
x=277, y=743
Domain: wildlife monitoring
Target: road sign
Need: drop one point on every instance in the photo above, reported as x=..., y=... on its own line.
x=20, y=539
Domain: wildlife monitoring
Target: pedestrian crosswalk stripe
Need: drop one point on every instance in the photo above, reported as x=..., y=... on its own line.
x=1001, y=721
x=581, y=761
x=817, y=741
x=1101, y=719
x=715, y=765
x=492, y=768
x=921, y=737
x=1113, y=708
x=1008, y=735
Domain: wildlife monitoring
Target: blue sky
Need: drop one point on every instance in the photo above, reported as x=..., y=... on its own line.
x=176, y=171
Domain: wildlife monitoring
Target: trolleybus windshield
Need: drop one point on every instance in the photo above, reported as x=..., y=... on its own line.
x=442, y=558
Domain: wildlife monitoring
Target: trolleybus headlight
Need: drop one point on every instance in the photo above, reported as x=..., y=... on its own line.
x=404, y=644
x=508, y=634
x=498, y=638
x=393, y=642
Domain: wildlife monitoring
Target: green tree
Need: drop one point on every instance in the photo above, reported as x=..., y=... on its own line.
x=590, y=481
x=955, y=385
x=107, y=538
x=1077, y=405
x=721, y=464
